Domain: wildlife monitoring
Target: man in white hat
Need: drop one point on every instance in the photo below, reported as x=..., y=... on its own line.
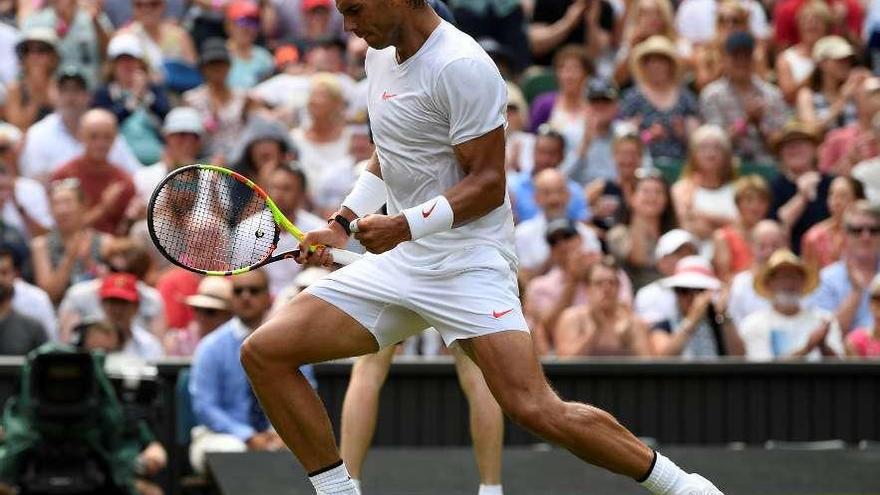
x=699, y=329
x=788, y=328
x=655, y=302
x=183, y=132
x=211, y=309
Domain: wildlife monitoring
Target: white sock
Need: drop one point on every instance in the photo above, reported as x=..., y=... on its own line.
x=663, y=475
x=357, y=484
x=334, y=481
x=491, y=490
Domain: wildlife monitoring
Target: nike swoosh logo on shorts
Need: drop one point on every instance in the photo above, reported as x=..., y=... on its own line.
x=499, y=314
x=427, y=213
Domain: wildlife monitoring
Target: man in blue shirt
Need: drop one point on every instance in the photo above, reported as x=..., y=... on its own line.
x=844, y=284
x=230, y=418
x=549, y=153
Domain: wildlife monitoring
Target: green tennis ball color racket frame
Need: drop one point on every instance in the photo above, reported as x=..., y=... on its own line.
x=340, y=256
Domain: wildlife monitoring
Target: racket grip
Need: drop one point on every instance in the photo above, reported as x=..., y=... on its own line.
x=343, y=257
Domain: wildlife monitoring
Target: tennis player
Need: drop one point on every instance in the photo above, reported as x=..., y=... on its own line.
x=443, y=257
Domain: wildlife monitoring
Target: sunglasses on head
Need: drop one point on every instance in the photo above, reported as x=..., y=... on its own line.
x=252, y=290
x=859, y=229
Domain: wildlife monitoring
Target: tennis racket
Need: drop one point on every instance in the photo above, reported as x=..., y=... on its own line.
x=214, y=221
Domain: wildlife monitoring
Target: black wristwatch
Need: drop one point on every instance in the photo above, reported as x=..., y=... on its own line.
x=341, y=220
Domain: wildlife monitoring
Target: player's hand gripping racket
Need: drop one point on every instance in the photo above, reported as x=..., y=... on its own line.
x=214, y=221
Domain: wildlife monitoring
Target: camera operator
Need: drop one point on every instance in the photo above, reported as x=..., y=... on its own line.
x=102, y=336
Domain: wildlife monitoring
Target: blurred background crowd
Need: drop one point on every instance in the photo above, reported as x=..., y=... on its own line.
x=697, y=178
x=693, y=178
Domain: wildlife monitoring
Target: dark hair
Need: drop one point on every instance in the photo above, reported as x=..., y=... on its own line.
x=544, y=130
x=6, y=252
x=417, y=3
x=668, y=220
x=294, y=169
x=855, y=185
x=576, y=52
x=606, y=261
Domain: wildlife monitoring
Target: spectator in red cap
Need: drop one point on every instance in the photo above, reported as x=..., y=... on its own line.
x=250, y=63
x=317, y=20
x=119, y=301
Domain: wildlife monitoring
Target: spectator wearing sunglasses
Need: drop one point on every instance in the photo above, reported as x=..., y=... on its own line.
x=211, y=308
x=844, y=284
x=700, y=328
x=32, y=96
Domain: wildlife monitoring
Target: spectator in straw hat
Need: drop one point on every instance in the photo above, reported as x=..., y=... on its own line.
x=665, y=127
x=789, y=328
x=701, y=327
x=865, y=341
x=210, y=305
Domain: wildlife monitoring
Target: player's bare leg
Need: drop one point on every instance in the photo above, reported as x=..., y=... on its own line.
x=360, y=408
x=307, y=330
x=486, y=421
x=514, y=375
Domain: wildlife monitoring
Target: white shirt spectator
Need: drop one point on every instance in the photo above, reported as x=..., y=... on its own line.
x=147, y=178
x=532, y=248
x=33, y=302
x=769, y=334
x=49, y=145
x=329, y=170
x=31, y=195
x=9, y=37
x=655, y=303
x=695, y=20
x=743, y=298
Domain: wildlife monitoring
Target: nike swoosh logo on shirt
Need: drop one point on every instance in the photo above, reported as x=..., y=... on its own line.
x=499, y=314
x=427, y=213
x=387, y=96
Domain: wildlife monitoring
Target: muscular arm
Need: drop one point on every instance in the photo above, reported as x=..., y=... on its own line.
x=483, y=187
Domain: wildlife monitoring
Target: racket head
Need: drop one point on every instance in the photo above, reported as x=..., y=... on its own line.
x=212, y=221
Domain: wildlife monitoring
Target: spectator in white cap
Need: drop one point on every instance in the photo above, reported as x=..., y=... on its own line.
x=700, y=328
x=183, y=132
x=32, y=94
x=23, y=201
x=139, y=105
x=83, y=32
x=655, y=302
x=767, y=237
x=54, y=141
x=789, y=328
x=211, y=309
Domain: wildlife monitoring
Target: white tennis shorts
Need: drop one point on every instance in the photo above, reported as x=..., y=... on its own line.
x=466, y=294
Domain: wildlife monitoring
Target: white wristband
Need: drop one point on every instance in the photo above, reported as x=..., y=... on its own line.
x=367, y=196
x=430, y=217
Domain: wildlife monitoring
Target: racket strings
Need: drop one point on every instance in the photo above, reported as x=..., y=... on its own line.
x=207, y=220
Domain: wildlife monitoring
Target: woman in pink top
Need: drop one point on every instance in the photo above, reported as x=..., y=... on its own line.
x=865, y=342
x=823, y=243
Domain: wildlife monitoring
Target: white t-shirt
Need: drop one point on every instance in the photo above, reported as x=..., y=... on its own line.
x=49, y=145
x=147, y=178
x=447, y=93
x=743, y=298
x=655, y=303
x=532, y=248
x=330, y=173
x=33, y=302
x=31, y=195
x=695, y=20
x=769, y=334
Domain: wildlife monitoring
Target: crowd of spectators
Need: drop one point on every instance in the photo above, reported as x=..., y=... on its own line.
x=697, y=178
